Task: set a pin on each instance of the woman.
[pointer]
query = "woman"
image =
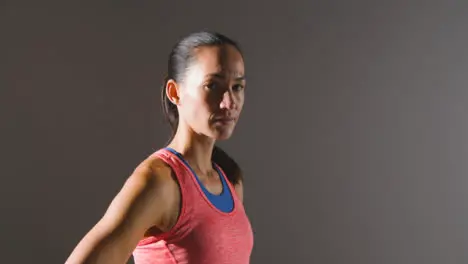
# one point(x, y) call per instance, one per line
point(183, 204)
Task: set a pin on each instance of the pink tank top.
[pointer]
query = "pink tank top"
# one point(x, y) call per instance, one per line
point(203, 234)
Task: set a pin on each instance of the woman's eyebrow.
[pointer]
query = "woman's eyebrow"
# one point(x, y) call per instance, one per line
point(222, 76)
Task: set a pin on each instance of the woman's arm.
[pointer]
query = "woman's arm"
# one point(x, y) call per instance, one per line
point(139, 205)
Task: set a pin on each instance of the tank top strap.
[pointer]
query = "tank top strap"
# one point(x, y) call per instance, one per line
point(176, 165)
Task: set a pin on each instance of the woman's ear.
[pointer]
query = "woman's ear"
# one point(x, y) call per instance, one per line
point(172, 91)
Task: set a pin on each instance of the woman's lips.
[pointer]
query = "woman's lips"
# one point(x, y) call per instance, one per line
point(225, 119)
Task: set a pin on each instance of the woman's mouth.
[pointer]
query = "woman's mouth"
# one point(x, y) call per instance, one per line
point(225, 120)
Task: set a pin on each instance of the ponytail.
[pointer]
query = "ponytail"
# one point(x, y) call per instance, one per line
point(229, 165)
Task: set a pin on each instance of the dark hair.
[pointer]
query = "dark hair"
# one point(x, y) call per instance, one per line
point(180, 59)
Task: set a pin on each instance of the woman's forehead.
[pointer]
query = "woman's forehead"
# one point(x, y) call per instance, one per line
point(220, 60)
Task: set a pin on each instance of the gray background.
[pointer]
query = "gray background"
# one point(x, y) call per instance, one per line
point(353, 139)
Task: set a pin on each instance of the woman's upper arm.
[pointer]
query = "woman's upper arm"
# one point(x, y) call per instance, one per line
point(138, 206)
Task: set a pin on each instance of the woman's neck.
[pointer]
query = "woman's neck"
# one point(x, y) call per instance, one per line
point(196, 149)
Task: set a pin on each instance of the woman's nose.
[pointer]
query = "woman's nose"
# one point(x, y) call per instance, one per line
point(227, 100)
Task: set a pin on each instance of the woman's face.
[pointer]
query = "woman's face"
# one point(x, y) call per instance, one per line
point(211, 96)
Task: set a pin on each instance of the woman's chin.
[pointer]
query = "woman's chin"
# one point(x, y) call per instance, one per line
point(222, 134)
point(221, 138)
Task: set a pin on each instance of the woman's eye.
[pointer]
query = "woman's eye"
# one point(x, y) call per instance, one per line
point(238, 87)
point(217, 86)
point(211, 86)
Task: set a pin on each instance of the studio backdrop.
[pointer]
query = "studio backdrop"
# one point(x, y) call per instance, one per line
point(353, 139)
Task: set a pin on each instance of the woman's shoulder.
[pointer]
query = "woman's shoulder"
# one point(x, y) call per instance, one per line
point(152, 186)
point(154, 169)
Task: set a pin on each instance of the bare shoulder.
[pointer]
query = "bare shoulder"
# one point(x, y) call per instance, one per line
point(145, 193)
point(153, 172)
point(153, 175)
